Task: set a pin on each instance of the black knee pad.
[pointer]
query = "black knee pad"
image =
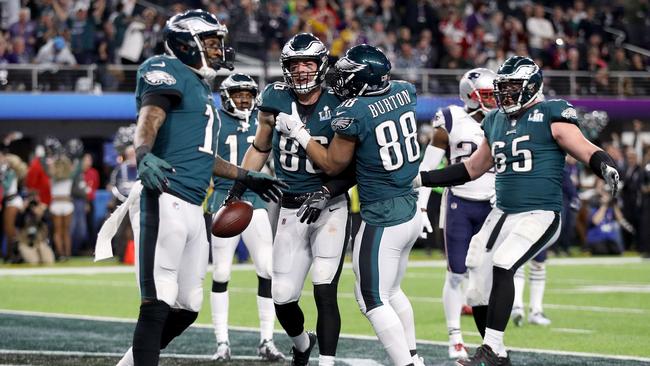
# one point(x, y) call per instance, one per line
point(219, 286)
point(291, 318)
point(177, 321)
point(328, 325)
point(148, 332)
point(263, 287)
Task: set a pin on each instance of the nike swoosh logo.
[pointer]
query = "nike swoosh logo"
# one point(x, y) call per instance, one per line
point(334, 209)
point(339, 113)
point(162, 64)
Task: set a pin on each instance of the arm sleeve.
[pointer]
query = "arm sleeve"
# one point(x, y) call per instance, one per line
point(452, 175)
point(562, 111)
point(342, 182)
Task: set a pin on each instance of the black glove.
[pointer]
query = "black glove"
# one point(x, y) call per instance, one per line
point(266, 186)
point(310, 209)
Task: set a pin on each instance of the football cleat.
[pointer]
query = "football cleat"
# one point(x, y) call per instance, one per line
point(302, 358)
point(517, 316)
point(268, 352)
point(484, 356)
point(538, 319)
point(418, 361)
point(223, 352)
point(457, 350)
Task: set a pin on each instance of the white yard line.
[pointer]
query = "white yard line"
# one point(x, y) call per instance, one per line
point(349, 336)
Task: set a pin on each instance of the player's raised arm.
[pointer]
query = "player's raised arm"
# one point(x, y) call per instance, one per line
point(455, 174)
point(569, 137)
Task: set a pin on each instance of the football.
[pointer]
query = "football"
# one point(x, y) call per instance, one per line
point(232, 219)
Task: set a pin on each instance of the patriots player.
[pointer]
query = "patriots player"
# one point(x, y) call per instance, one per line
point(458, 130)
point(375, 128)
point(298, 246)
point(238, 120)
point(175, 153)
point(537, 278)
point(526, 140)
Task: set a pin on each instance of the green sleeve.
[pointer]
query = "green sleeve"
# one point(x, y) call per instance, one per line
point(562, 111)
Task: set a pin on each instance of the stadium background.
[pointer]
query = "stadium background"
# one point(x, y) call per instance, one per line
point(596, 55)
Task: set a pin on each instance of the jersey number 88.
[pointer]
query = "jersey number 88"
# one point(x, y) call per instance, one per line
point(391, 143)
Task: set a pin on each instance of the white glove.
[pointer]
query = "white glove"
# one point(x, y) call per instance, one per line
point(426, 226)
point(292, 126)
point(611, 177)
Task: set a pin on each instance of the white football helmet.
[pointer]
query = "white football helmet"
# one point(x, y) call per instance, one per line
point(476, 90)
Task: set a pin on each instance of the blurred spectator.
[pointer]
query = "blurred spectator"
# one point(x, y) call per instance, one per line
point(25, 29)
point(18, 54)
point(632, 175)
point(247, 35)
point(420, 15)
point(540, 31)
point(91, 179)
point(570, 205)
point(55, 52)
point(478, 16)
point(152, 34)
point(33, 233)
point(644, 217)
point(604, 233)
point(82, 30)
point(61, 208)
point(388, 14)
point(37, 180)
point(46, 29)
point(409, 60)
point(122, 179)
point(559, 21)
point(275, 24)
point(12, 171)
point(589, 24)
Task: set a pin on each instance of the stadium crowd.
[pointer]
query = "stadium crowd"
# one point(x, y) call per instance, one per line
point(446, 34)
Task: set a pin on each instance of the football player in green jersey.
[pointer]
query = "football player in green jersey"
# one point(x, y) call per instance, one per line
point(376, 129)
point(238, 120)
point(174, 140)
point(526, 140)
point(320, 242)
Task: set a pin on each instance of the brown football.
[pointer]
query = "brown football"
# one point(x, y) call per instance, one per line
point(232, 219)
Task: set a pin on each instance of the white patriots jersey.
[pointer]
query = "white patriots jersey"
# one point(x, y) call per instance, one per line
point(465, 136)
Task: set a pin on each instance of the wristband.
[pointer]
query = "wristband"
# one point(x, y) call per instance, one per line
point(303, 137)
point(598, 159)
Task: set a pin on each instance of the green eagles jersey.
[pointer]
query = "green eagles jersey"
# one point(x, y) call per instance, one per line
point(187, 138)
point(291, 162)
point(527, 159)
point(387, 152)
point(235, 135)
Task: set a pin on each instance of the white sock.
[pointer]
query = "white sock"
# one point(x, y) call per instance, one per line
point(494, 339)
point(390, 332)
point(219, 305)
point(520, 282)
point(325, 360)
point(402, 306)
point(301, 341)
point(452, 302)
point(266, 313)
point(127, 359)
point(537, 276)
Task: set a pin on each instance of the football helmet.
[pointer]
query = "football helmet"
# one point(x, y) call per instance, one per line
point(476, 89)
point(185, 34)
point(74, 148)
point(234, 83)
point(304, 46)
point(364, 70)
point(52, 146)
point(519, 84)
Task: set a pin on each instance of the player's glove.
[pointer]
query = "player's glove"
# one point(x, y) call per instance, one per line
point(292, 126)
point(150, 170)
point(310, 209)
point(426, 226)
point(610, 175)
point(266, 186)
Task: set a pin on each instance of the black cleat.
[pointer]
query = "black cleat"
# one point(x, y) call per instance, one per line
point(484, 356)
point(302, 358)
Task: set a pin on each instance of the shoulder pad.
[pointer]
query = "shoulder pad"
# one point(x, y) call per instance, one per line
point(561, 111)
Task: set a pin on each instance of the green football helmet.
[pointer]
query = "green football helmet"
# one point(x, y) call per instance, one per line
point(184, 36)
point(304, 46)
point(519, 84)
point(364, 70)
point(234, 83)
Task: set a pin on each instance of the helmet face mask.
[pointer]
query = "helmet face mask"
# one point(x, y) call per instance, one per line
point(519, 84)
point(238, 95)
point(364, 70)
point(304, 62)
point(476, 90)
